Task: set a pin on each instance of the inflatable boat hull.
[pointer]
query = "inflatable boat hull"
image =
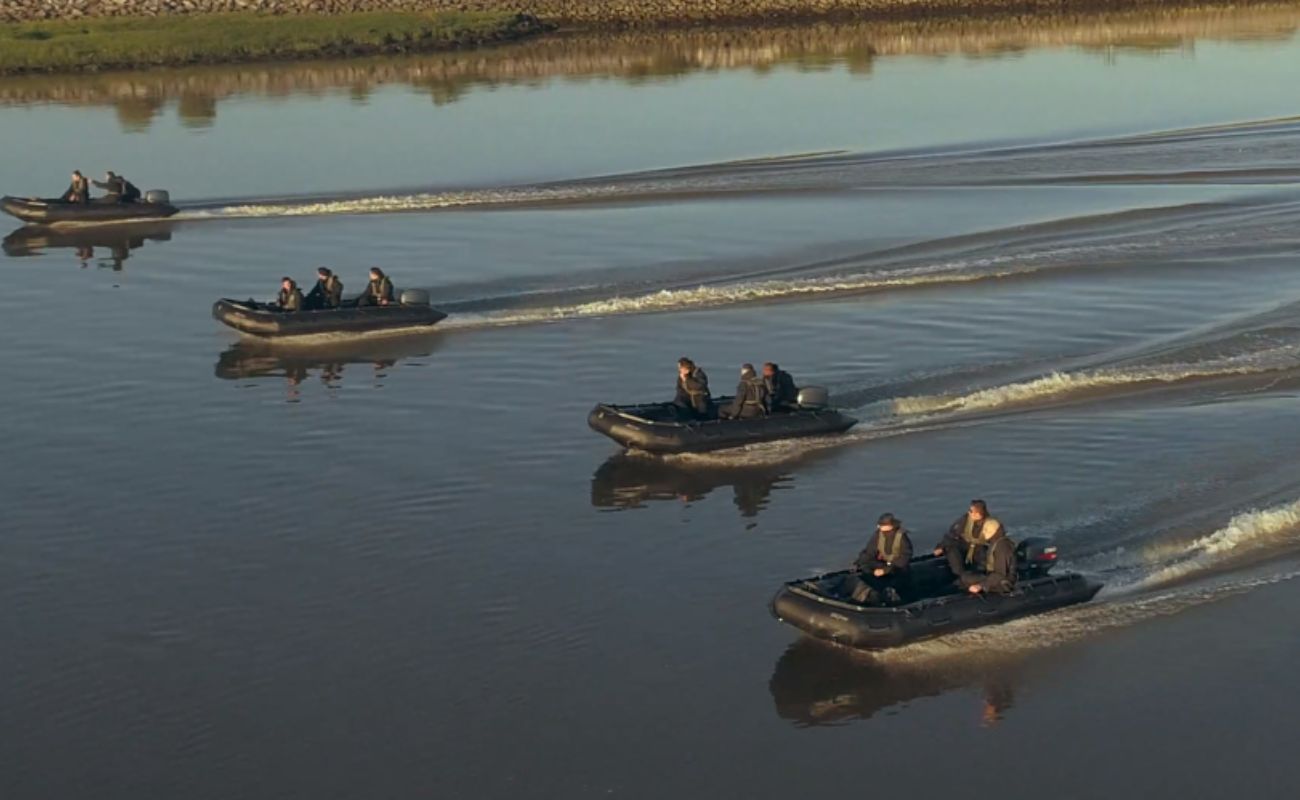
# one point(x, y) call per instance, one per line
point(53, 212)
point(806, 605)
point(257, 320)
point(650, 427)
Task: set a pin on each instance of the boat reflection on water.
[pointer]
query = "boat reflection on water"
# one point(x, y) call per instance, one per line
point(102, 245)
point(628, 481)
point(815, 683)
point(367, 359)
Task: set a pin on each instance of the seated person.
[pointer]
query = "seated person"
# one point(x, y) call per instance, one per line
point(328, 291)
point(119, 189)
point(79, 190)
point(994, 570)
point(782, 394)
point(964, 537)
point(751, 397)
point(881, 569)
point(289, 298)
point(692, 399)
point(379, 292)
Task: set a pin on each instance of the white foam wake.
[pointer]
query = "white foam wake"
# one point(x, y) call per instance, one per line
point(1062, 384)
point(1244, 534)
point(430, 201)
point(731, 294)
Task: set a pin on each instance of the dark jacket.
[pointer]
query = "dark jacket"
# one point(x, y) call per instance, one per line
point(327, 293)
point(893, 554)
point(995, 569)
point(115, 186)
point(693, 393)
point(130, 193)
point(377, 290)
point(289, 299)
point(750, 401)
point(782, 393)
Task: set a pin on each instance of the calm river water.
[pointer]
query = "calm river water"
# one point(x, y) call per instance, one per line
point(1053, 266)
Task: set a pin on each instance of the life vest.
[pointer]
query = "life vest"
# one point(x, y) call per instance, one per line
point(891, 553)
point(989, 561)
point(756, 394)
point(290, 299)
point(381, 288)
point(974, 539)
point(333, 289)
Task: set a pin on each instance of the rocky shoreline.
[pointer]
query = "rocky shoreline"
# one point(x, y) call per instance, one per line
point(592, 14)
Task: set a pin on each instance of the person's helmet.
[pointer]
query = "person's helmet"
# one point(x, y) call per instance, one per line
point(887, 519)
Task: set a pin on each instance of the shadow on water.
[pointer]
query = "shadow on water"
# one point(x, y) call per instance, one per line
point(368, 361)
point(102, 245)
point(815, 683)
point(628, 481)
point(139, 98)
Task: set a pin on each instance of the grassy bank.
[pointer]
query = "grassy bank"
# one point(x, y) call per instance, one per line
point(123, 43)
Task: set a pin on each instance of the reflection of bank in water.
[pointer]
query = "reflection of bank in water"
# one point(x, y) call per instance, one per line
point(106, 245)
point(631, 481)
point(820, 684)
point(195, 93)
point(364, 359)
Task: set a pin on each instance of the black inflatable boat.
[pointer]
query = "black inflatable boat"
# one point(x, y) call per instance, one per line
point(54, 211)
point(258, 319)
point(933, 605)
point(657, 428)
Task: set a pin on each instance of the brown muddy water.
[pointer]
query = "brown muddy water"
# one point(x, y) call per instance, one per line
point(1052, 266)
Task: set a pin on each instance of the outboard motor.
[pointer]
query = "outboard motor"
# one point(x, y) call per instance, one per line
point(1035, 556)
point(414, 297)
point(157, 196)
point(814, 397)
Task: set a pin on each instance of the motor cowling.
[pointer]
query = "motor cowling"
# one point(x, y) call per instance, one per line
point(414, 297)
point(159, 196)
point(814, 397)
point(1036, 555)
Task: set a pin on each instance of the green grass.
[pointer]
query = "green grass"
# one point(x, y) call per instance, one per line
point(109, 43)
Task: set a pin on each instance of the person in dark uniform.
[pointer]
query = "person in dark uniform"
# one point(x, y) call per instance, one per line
point(692, 400)
point(994, 570)
point(290, 296)
point(379, 292)
point(328, 291)
point(118, 189)
point(881, 569)
point(78, 190)
point(751, 397)
point(782, 394)
point(964, 540)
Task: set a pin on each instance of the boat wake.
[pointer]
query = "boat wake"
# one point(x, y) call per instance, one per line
point(1257, 152)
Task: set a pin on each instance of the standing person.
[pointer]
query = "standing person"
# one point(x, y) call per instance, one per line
point(328, 291)
point(692, 400)
point(964, 542)
point(783, 395)
point(882, 566)
point(750, 401)
point(290, 296)
point(994, 570)
point(379, 292)
point(79, 190)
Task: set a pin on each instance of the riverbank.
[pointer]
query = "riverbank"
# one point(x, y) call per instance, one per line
point(107, 43)
point(99, 35)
